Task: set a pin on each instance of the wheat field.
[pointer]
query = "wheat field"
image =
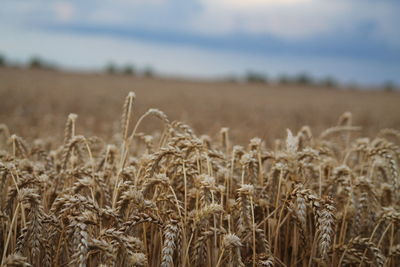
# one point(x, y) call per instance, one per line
point(35, 104)
point(131, 185)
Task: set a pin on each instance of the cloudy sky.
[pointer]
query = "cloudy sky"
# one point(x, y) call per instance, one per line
point(351, 40)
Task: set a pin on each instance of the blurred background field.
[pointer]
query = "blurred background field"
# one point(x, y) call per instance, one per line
point(36, 102)
point(254, 66)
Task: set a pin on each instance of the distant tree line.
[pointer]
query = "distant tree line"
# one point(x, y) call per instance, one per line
point(300, 79)
point(303, 79)
point(2, 61)
point(128, 69)
point(36, 62)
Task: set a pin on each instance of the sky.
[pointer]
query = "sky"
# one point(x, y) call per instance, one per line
point(353, 41)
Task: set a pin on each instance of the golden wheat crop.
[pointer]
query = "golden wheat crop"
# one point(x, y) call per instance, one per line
point(35, 104)
point(174, 198)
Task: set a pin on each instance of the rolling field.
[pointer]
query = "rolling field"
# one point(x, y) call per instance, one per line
point(42, 100)
point(110, 170)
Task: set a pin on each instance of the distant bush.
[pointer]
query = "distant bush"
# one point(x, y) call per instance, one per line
point(329, 82)
point(36, 63)
point(304, 79)
point(230, 79)
point(253, 77)
point(389, 86)
point(111, 68)
point(2, 60)
point(148, 72)
point(284, 79)
point(128, 70)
